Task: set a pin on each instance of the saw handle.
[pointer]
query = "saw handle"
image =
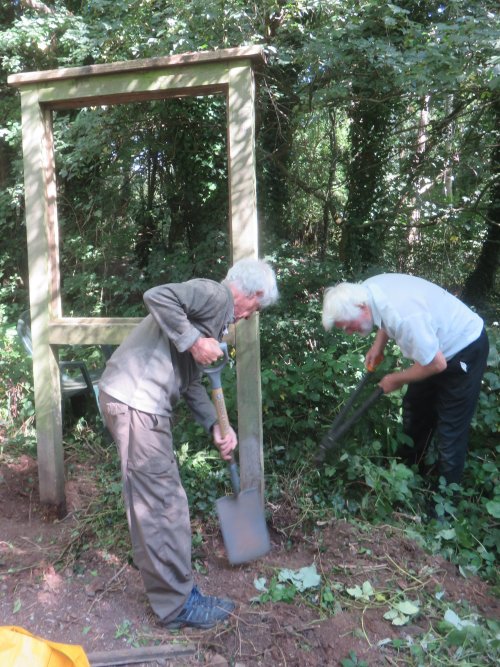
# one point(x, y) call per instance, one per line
point(378, 360)
point(336, 431)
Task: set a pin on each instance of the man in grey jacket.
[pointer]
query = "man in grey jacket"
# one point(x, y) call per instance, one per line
point(159, 362)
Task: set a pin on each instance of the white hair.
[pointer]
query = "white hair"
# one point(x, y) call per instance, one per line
point(254, 275)
point(343, 302)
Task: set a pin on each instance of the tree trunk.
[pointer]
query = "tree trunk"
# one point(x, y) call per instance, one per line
point(361, 241)
point(414, 233)
point(146, 221)
point(481, 282)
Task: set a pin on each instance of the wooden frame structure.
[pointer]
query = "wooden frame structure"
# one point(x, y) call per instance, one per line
point(229, 72)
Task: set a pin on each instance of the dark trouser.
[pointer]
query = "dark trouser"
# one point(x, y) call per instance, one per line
point(444, 404)
point(156, 504)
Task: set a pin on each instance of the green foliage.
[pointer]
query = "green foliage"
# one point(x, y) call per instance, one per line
point(203, 477)
point(287, 584)
point(16, 389)
point(460, 639)
point(353, 661)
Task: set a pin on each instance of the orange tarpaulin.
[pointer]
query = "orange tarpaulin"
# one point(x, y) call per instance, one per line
point(19, 648)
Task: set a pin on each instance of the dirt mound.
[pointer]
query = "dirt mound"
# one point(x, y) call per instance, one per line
point(98, 600)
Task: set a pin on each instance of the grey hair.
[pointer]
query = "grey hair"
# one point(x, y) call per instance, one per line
point(342, 303)
point(254, 275)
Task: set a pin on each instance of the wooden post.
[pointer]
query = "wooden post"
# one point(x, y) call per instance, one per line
point(43, 254)
point(245, 243)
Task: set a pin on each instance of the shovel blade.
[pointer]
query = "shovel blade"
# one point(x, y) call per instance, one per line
point(243, 526)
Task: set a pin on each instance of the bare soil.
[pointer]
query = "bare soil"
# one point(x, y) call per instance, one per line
point(98, 600)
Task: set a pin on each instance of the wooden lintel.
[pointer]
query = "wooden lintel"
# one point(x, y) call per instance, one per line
point(141, 96)
point(253, 53)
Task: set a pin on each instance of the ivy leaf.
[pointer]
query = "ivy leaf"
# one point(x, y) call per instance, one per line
point(260, 584)
point(368, 589)
point(493, 508)
point(401, 619)
point(396, 617)
point(407, 608)
point(361, 593)
point(447, 534)
point(454, 619)
point(401, 612)
point(306, 577)
point(355, 592)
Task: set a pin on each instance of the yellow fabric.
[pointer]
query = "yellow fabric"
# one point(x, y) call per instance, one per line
point(19, 648)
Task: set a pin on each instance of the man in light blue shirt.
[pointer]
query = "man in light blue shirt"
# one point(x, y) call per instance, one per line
point(447, 344)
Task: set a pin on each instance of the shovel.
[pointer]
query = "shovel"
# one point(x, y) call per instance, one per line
point(339, 427)
point(241, 515)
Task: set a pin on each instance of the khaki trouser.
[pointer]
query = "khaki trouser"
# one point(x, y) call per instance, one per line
point(156, 504)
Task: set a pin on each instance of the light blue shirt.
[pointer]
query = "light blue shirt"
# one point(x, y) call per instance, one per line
point(421, 317)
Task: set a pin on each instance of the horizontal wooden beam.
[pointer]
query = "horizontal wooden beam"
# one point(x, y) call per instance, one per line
point(119, 87)
point(254, 53)
point(134, 97)
point(101, 330)
point(91, 330)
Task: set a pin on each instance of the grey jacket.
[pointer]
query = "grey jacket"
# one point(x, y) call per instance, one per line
point(152, 368)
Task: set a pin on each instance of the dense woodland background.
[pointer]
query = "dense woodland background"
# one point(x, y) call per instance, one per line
point(377, 142)
point(377, 150)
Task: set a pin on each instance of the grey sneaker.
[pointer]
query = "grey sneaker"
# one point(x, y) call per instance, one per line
point(201, 611)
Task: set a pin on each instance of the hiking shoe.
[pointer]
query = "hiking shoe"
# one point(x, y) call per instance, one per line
point(212, 600)
point(201, 611)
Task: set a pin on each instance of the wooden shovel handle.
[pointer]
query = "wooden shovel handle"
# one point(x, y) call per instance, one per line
point(223, 420)
point(220, 408)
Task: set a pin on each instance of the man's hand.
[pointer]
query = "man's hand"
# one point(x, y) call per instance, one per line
point(392, 382)
point(205, 351)
point(414, 373)
point(225, 444)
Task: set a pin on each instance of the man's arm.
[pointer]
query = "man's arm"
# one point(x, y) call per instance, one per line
point(178, 307)
point(414, 373)
point(200, 405)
